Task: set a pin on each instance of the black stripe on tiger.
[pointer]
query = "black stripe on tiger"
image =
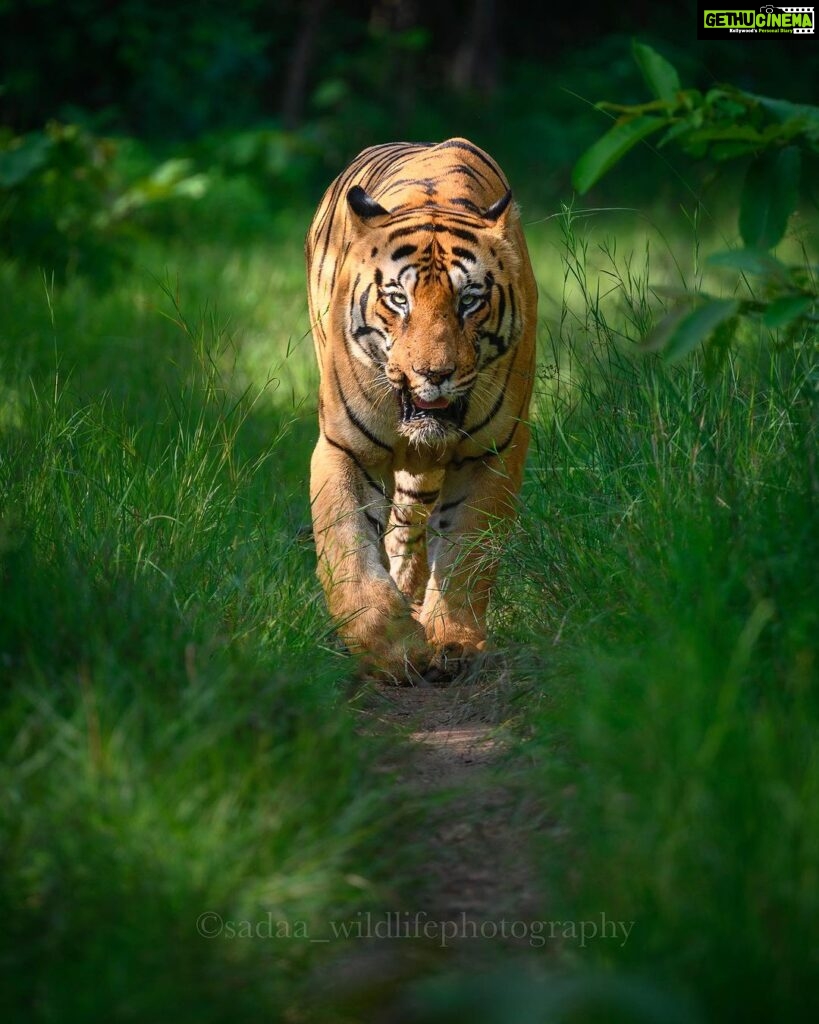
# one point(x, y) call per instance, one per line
point(363, 300)
point(513, 310)
point(479, 154)
point(371, 349)
point(501, 305)
point(464, 254)
point(498, 342)
point(356, 283)
point(363, 388)
point(444, 213)
point(448, 505)
point(354, 458)
point(353, 418)
point(437, 229)
point(491, 453)
point(424, 497)
point(493, 412)
point(410, 541)
point(376, 524)
point(466, 203)
point(404, 250)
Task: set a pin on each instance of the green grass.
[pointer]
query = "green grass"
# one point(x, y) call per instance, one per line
point(669, 568)
point(175, 731)
point(171, 730)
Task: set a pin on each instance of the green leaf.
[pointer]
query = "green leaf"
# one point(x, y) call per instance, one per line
point(782, 311)
point(721, 151)
point(171, 171)
point(750, 261)
point(604, 153)
point(769, 196)
point(802, 116)
point(716, 351)
point(784, 110)
point(691, 99)
point(657, 338)
point(661, 77)
point(681, 128)
point(634, 109)
point(729, 133)
point(692, 329)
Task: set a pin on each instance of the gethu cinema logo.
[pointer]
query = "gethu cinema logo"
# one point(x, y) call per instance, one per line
point(767, 17)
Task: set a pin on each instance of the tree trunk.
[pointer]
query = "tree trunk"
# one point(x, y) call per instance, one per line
point(475, 66)
point(295, 89)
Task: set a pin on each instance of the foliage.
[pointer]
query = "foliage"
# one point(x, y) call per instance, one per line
point(63, 204)
point(724, 124)
point(783, 301)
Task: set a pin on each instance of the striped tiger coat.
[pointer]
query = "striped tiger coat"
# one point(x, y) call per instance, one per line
point(423, 309)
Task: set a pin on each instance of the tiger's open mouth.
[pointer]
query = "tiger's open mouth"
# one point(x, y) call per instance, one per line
point(416, 412)
point(430, 423)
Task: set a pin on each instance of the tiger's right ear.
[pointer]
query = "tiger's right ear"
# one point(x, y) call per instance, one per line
point(500, 210)
point(365, 209)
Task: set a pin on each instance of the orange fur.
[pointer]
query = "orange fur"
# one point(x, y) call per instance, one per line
point(423, 308)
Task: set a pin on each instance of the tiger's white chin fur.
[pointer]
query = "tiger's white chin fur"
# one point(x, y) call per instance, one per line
point(429, 431)
point(427, 425)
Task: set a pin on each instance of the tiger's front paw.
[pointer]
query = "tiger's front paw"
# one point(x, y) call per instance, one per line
point(452, 661)
point(403, 661)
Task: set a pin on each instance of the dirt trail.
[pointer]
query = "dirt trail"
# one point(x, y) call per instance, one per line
point(479, 868)
point(477, 891)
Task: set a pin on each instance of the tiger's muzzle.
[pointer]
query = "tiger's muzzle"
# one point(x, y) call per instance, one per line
point(430, 421)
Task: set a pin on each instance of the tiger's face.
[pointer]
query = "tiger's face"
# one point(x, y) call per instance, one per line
point(430, 309)
point(432, 347)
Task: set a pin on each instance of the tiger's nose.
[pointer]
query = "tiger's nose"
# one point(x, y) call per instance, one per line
point(434, 374)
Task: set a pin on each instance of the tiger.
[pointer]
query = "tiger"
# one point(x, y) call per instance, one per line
point(423, 311)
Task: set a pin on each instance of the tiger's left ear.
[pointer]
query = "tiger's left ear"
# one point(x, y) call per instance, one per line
point(500, 211)
point(367, 211)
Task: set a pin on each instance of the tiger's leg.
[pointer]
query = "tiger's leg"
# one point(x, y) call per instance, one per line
point(406, 537)
point(466, 535)
point(350, 507)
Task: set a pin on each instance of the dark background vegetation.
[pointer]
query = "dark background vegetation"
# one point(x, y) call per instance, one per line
point(175, 70)
point(342, 75)
point(97, 98)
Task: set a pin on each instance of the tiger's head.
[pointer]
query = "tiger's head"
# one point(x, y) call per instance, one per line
point(431, 302)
